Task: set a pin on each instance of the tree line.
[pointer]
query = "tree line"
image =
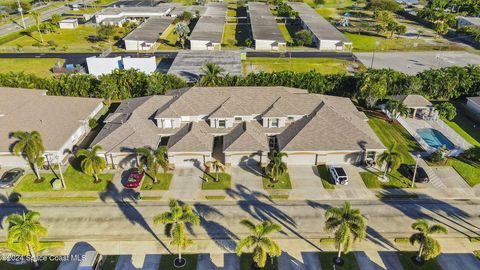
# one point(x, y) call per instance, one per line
point(368, 86)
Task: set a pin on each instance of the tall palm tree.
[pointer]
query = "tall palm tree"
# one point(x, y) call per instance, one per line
point(92, 163)
point(182, 30)
point(30, 145)
point(397, 108)
point(391, 157)
point(276, 167)
point(153, 159)
point(175, 222)
point(212, 75)
point(24, 232)
point(217, 166)
point(347, 223)
point(429, 247)
point(37, 17)
point(258, 240)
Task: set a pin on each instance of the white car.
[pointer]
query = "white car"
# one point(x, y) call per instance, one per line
point(338, 175)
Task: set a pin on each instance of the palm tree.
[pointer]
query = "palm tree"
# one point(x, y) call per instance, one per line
point(258, 240)
point(29, 145)
point(182, 30)
point(391, 157)
point(397, 108)
point(217, 166)
point(429, 247)
point(212, 75)
point(37, 17)
point(276, 167)
point(153, 159)
point(92, 163)
point(24, 232)
point(175, 222)
point(347, 223)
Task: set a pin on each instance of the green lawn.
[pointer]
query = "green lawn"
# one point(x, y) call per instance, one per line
point(166, 262)
point(47, 265)
point(74, 179)
point(394, 180)
point(224, 181)
point(464, 126)
point(88, 10)
point(110, 262)
point(322, 65)
point(38, 66)
point(326, 261)
point(169, 40)
point(66, 39)
point(164, 181)
point(286, 35)
point(234, 35)
point(406, 261)
point(283, 182)
point(470, 171)
point(325, 176)
point(43, 246)
point(246, 263)
point(365, 43)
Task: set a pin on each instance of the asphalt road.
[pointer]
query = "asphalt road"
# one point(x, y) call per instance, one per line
point(220, 220)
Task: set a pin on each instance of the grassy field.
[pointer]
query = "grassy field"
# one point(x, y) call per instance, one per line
point(470, 171)
point(169, 40)
point(66, 39)
point(322, 65)
point(234, 35)
point(166, 261)
point(286, 34)
point(164, 181)
point(224, 181)
point(406, 261)
point(283, 182)
point(246, 263)
point(38, 66)
point(394, 180)
point(326, 261)
point(74, 179)
point(325, 176)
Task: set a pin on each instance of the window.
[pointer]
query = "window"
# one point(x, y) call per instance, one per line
point(238, 118)
point(291, 118)
point(167, 123)
point(221, 123)
point(274, 122)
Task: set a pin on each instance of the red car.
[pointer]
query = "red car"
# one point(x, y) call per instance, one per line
point(134, 179)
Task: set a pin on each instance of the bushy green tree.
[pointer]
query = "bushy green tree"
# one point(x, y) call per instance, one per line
point(91, 163)
point(303, 38)
point(446, 110)
point(429, 247)
point(182, 30)
point(105, 31)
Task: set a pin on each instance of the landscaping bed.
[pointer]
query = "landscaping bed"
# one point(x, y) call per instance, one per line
point(166, 262)
point(405, 258)
point(283, 182)
point(325, 177)
point(224, 181)
point(350, 262)
point(395, 180)
point(164, 181)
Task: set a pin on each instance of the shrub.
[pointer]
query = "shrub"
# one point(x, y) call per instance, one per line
point(92, 123)
point(439, 155)
point(472, 154)
point(446, 110)
point(303, 38)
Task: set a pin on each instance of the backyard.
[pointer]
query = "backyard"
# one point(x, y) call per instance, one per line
point(322, 65)
point(38, 66)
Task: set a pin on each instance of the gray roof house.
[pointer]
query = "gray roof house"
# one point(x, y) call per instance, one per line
point(208, 32)
point(265, 31)
point(240, 125)
point(61, 121)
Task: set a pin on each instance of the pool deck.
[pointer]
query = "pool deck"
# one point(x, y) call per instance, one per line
point(412, 125)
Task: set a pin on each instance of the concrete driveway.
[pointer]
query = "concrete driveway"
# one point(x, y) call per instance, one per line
point(247, 176)
point(306, 183)
point(355, 189)
point(454, 184)
point(186, 183)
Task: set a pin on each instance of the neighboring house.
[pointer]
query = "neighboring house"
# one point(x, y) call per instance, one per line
point(62, 121)
point(105, 65)
point(264, 28)
point(208, 31)
point(238, 126)
point(68, 24)
point(419, 106)
point(473, 104)
point(146, 35)
point(468, 21)
point(134, 12)
point(325, 35)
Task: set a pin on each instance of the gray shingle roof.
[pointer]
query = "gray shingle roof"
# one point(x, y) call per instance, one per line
point(413, 100)
point(263, 24)
point(210, 26)
point(246, 136)
point(150, 30)
point(193, 137)
point(55, 117)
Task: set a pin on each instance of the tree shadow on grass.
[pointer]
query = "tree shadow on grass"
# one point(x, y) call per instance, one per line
point(128, 209)
point(10, 205)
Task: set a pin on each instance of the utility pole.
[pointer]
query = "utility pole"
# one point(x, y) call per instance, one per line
point(415, 171)
point(21, 13)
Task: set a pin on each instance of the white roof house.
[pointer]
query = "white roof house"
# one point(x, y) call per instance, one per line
point(68, 24)
point(61, 121)
point(265, 31)
point(244, 122)
point(208, 32)
point(145, 36)
point(104, 65)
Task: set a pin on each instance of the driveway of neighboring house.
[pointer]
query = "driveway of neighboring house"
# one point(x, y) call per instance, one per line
point(454, 183)
point(306, 183)
point(186, 183)
point(355, 189)
point(246, 179)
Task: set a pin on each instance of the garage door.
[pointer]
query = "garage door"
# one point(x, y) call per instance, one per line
point(250, 160)
point(187, 161)
point(350, 158)
point(305, 159)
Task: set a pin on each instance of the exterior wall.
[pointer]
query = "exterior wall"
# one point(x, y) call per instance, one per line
point(198, 44)
point(175, 122)
point(245, 158)
point(189, 159)
point(228, 122)
point(266, 45)
point(68, 25)
point(134, 45)
point(329, 158)
point(267, 121)
point(474, 108)
point(330, 45)
point(98, 66)
point(147, 65)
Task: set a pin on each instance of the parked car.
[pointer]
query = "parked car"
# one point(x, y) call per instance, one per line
point(338, 175)
point(420, 176)
point(134, 179)
point(10, 177)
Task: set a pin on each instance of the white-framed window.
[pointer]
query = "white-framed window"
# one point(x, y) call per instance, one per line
point(274, 122)
point(167, 123)
point(222, 123)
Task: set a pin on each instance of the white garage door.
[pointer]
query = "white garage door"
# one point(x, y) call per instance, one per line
point(250, 160)
point(350, 158)
point(305, 159)
point(187, 161)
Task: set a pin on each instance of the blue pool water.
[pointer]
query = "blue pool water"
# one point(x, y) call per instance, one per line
point(435, 138)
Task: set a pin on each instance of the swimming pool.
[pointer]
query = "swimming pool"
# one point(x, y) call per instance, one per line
point(435, 138)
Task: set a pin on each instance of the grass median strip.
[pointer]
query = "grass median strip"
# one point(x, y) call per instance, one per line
point(283, 182)
point(164, 182)
point(210, 183)
point(326, 261)
point(325, 177)
point(405, 258)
